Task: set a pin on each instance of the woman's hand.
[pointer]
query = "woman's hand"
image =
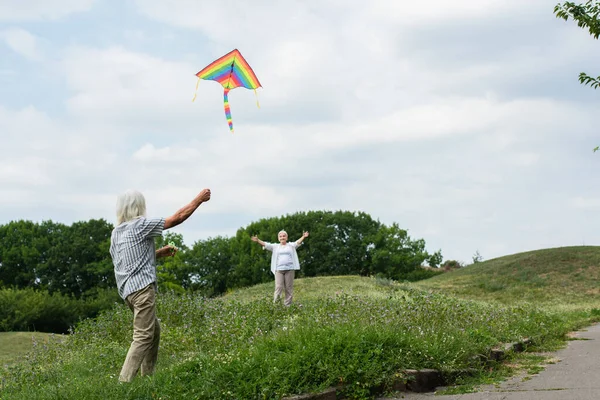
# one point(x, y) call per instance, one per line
point(254, 238)
point(305, 235)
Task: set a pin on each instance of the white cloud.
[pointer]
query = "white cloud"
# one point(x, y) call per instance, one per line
point(48, 165)
point(22, 42)
point(409, 12)
point(586, 203)
point(135, 89)
point(31, 171)
point(355, 114)
point(230, 18)
point(272, 167)
point(525, 159)
point(149, 153)
point(31, 10)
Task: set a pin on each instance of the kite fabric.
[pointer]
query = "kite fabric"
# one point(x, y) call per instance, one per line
point(231, 71)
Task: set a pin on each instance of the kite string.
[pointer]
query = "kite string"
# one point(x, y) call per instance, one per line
point(196, 92)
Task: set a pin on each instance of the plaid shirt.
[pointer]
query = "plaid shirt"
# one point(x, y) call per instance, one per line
point(133, 253)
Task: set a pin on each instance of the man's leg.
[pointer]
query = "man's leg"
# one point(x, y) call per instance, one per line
point(149, 362)
point(278, 285)
point(289, 286)
point(142, 303)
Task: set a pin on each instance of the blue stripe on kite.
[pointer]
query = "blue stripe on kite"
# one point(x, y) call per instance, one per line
point(240, 76)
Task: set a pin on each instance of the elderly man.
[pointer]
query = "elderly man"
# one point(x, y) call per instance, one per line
point(134, 257)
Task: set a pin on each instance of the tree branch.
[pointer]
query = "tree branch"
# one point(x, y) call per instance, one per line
point(584, 79)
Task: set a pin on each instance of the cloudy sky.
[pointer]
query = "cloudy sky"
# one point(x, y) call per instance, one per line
point(461, 121)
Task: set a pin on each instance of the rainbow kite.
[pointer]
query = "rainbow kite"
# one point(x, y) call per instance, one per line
point(230, 71)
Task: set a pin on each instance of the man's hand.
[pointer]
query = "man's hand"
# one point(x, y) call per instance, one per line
point(184, 212)
point(166, 251)
point(204, 195)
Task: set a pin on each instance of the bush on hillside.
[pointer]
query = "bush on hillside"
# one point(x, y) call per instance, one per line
point(451, 265)
point(33, 310)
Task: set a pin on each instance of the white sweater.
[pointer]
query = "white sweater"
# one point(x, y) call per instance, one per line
point(274, 247)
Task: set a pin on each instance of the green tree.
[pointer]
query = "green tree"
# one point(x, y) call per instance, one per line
point(587, 16)
point(172, 273)
point(345, 239)
point(56, 257)
point(435, 259)
point(395, 254)
point(211, 265)
point(90, 263)
point(78, 260)
point(22, 252)
point(340, 243)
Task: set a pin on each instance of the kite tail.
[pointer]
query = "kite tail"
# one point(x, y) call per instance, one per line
point(257, 103)
point(196, 92)
point(227, 109)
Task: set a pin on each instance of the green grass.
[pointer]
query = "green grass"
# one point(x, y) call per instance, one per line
point(561, 280)
point(317, 288)
point(15, 345)
point(564, 277)
point(351, 330)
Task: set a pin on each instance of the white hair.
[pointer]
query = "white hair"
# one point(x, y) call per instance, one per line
point(130, 205)
point(282, 231)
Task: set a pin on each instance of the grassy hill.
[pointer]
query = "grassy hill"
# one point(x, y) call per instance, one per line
point(563, 277)
point(321, 287)
point(15, 345)
point(352, 330)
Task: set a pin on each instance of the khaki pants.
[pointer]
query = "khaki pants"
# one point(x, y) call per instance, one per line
point(284, 280)
point(143, 351)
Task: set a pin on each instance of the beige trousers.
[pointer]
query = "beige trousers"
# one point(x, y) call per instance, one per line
point(143, 351)
point(284, 280)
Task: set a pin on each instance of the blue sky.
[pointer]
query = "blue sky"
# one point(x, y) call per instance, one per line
point(461, 121)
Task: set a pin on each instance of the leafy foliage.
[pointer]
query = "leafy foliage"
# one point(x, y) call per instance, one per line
point(71, 260)
point(74, 261)
point(34, 310)
point(587, 16)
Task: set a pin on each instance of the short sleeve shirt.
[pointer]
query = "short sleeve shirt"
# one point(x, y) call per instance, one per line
point(133, 253)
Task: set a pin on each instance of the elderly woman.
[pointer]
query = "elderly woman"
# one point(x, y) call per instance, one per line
point(134, 258)
point(284, 263)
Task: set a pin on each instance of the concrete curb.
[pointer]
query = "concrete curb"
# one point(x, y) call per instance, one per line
point(327, 394)
point(423, 380)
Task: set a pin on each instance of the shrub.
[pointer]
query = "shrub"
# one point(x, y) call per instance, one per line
point(450, 265)
point(34, 310)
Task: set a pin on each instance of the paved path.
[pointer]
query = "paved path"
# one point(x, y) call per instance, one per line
point(575, 377)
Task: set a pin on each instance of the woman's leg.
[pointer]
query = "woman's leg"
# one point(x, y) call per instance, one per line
point(289, 286)
point(279, 284)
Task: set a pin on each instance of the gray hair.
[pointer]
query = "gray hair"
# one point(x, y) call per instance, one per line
point(282, 231)
point(130, 205)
